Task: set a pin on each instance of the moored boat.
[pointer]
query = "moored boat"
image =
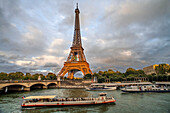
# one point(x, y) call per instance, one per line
point(101, 87)
point(53, 101)
point(145, 88)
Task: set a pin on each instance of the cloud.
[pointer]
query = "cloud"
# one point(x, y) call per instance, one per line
point(36, 35)
point(126, 53)
point(84, 38)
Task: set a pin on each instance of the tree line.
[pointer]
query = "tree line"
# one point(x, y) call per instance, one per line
point(27, 76)
point(162, 72)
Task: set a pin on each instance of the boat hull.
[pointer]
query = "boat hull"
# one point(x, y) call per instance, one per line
point(60, 104)
point(161, 91)
point(101, 89)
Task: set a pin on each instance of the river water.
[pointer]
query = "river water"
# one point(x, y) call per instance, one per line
point(125, 102)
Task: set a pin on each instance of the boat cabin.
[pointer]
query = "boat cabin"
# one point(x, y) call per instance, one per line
point(102, 85)
point(102, 96)
point(39, 98)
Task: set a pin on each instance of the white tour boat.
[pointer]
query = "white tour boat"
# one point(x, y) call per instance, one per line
point(101, 87)
point(53, 101)
point(145, 88)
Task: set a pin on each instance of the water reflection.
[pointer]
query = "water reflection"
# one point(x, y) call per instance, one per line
point(72, 109)
point(76, 93)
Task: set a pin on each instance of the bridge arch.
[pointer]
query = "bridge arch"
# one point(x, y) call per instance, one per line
point(13, 87)
point(37, 86)
point(40, 83)
point(7, 85)
point(51, 85)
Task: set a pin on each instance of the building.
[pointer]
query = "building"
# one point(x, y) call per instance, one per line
point(150, 69)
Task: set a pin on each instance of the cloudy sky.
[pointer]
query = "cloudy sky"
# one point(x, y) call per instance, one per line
point(36, 35)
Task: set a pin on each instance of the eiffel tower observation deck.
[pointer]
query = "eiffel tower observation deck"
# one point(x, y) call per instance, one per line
point(76, 60)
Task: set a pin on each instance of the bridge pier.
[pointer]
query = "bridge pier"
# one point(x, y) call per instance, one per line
point(1, 90)
point(45, 87)
point(58, 83)
point(27, 89)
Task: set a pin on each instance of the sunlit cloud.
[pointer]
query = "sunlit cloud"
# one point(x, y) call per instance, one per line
point(126, 53)
point(84, 38)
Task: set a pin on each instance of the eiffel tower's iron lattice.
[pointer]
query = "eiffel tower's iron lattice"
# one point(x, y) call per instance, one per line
point(76, 60)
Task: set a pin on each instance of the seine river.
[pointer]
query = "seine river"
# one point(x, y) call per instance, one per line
point(126, 102)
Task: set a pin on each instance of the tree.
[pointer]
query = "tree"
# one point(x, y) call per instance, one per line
point(12, 76)
point(65, 78)
point(162, 68)
point(28, 76)
point(102, 79)
point(35, 76)
point(100, 72)
point(110, 71)
point(96, 75)
point(3, 76)
point(140, 72)
point(87, 76)
point(150, 78)
point(130, 71)
point(51, 76)
point(19, 76)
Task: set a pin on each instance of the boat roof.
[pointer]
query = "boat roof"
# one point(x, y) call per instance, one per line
point(140, 83)
point(40, 97)
point(102, 94)
point(103, 84)
point(162, 83)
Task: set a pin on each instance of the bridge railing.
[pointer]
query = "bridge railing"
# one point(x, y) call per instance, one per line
point(25, 81)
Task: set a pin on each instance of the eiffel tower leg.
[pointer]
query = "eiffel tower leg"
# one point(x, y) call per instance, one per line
point(62, 72)
point(70, 75)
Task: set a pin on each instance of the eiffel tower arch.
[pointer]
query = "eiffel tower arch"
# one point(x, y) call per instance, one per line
point(76, 60)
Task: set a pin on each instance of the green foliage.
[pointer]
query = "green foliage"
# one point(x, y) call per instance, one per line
point(140, 72)
point(51, 76)
point(96, 75)
point(162, 69)
point(28, 76)
point(35, 76)
point(129, 75)
point(16, 76)
point(100, 80)
point(110, 71)
point(3, 76)
point(65, 78)
point(130, 71)
point(87, 76)
point(100, 72)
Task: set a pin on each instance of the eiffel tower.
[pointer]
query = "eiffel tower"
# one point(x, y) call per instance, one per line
point(76, 60)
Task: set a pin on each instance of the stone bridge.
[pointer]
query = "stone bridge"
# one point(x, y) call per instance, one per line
point(26, 85)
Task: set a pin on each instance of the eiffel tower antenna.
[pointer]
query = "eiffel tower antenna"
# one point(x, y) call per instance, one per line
point(76, 60)
point(77, 35)
point(77, 5)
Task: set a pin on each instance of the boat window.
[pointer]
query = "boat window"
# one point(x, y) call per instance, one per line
point(110, 86)
point(102, 94)
point(45, 100)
